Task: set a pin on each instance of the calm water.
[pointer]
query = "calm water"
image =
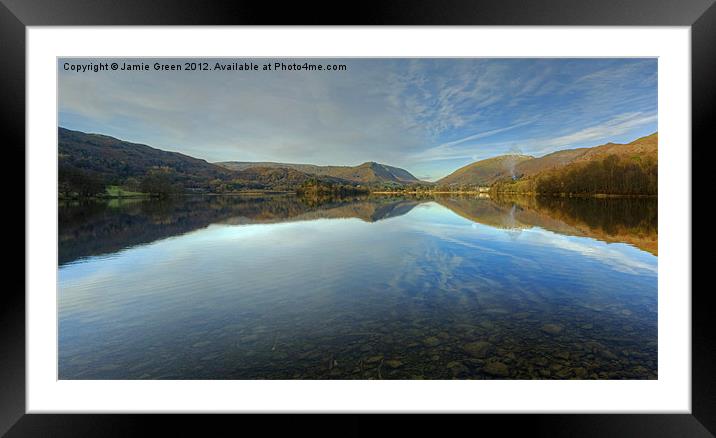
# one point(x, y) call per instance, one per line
point(377, 288)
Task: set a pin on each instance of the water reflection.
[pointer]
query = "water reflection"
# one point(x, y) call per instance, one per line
point(379, 287)
point(95, 227)
point(99, 227)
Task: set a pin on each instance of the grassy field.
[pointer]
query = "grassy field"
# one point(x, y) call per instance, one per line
point(118, 192)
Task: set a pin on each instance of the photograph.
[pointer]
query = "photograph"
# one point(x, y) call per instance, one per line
point(357, 218)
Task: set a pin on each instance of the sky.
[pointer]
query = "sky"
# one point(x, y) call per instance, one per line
point(429, 116)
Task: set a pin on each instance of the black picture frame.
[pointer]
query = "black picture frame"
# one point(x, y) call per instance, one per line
point(16, 15)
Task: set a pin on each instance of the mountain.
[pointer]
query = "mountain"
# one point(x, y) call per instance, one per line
point(609, 168)
point(90, 162)
point(269, 177)
point(484, 172)
point(110, 161)
point(644, 146)
point(366, 173)
point(549, 161)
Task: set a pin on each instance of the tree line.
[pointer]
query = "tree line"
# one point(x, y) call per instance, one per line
point(613, 175)
point(316, 187)
point(158, 182)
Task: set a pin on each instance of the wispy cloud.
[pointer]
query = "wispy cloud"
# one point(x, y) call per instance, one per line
point(611, 128)
point(429, 116)
point(449, 150)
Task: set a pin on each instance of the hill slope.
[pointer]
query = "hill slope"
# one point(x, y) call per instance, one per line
point(504, 168)
point(618, 169)
point(366, 173)
point(644, 146)
point(90, 162)
point(549, 161)
point(112, 161)
point(484, 172)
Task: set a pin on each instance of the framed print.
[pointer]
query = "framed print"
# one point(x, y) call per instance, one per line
point(358, 219)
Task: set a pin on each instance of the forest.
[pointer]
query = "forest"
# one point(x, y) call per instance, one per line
point(613, 175)
point(317, 187)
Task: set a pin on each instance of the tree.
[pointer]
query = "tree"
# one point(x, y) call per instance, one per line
point(611, 175)
point(132, 184)
point(73, 182)
point(159, 182)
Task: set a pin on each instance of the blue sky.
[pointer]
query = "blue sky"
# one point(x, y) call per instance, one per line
point(429, 116)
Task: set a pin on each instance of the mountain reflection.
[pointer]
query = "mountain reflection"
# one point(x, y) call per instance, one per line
point(626, 220)
point(96, 228)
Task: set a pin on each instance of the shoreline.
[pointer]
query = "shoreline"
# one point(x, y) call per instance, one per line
point(429, 193)
point(381, 192)
point(492, 193)
point(576, 195)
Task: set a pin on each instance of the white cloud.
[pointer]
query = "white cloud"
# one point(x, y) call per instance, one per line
point(611, 128)
point(421, 114)
point(449, 151)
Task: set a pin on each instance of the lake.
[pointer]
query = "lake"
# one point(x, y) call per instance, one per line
point(380, 287)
